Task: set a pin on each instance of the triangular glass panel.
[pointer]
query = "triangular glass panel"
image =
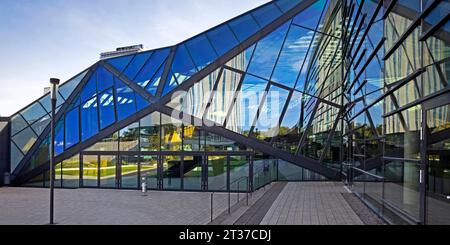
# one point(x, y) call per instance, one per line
point(266, 14)
point(153, 65)
point(286, 5)
point(310, 17)
point(120, 63)
point(105, 79)
point(16, 157)
point(244, 27)
point(136, 64)
point(141, 103)
point(222, 39)
point(125, 101)
point(152, 86)
point(241, 61)
point(201, 51)
point(67, 88)
point(182, 68)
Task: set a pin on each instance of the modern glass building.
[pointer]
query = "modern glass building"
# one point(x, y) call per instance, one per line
point(295, 90)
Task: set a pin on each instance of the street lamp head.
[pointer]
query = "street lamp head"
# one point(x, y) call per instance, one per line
point(54, 82)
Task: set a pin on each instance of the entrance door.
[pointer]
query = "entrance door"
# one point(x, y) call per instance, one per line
point(437, 143)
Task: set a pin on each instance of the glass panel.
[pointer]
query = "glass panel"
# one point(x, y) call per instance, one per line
point(126, 100)
point(120, 63)
point(90, 89)
point(268, 123)
point(172, 83)
point(217, 173)
point(402, 186)
point(33, 113)
point(41, 156)
point(241, 61)
point(41, 124)
point(239, 173)
point(71, 172)
point(286, 5)
point(108, 165)
point(293, 56)
point(105, 79)
point(136, 64)
point(292, 126)
point(150, 132)
point(17, 124)
point(153, 85)
point(107, 114)
point(67, 88)
point(218, 143)
point(89, 119)
point(171, 134)
point(129, 138)
point(59, 137)
point(35, 182)
point(141, 103)
point(183, 67)
point(25, 140)
point(438, 198)
point(16, 156)
point(129, 171)
point(110, 143)
point(222, 39)
point(194, 138)
point(247, 104)
point(266, 14)
point(192, 178)
point(267, 51)
point(171, 172)
point(90, 171)
point(149, 170)
point(151, 67)
point(72, 128)
point(195, 100)
point(438, 119)
point(201, 51)
point(226, 88)
point(310, 17)
point(244, 27)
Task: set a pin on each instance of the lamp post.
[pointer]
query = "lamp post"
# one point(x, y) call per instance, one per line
point(54, 82)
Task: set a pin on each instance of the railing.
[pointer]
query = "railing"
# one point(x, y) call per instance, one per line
point(237, 181)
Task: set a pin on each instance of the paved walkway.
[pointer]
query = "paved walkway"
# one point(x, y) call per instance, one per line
point(311, 203)
point(29, 206)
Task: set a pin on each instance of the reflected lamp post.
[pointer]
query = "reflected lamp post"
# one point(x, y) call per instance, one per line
point(54, 82)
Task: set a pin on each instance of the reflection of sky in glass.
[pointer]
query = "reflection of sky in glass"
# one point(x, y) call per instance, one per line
point(310, 17)
point(271, 111)
point(266, 52)
point(292, 56)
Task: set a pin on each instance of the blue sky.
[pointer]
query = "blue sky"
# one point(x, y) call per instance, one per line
point(59, 38)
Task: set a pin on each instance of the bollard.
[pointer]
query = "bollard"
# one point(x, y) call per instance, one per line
point(144, 186)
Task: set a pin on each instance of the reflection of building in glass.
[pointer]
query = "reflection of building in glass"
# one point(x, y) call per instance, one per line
point(363, 97)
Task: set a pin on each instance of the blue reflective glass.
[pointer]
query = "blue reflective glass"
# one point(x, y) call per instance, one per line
point(152, 87)
point(120, 63)
point(141, 103)
point(151, 67)
point(170, 85)
point(292, 56)
point(242, 60)
point(106, 102)
point(266, 14)
point(247, 104)
point(183, 67)
point(125, 101)
point(47, 103)
point(90, 89)
point(267, 51)
point(201, 51)
point(105, 79)
point(67, 88)
point(72, 128)
point(286, 5)
point(310, 17)
point(59, 137)
point(33, 113)
point(244, 27)
point(89, 119)
point(136, 64)
point(222, 39)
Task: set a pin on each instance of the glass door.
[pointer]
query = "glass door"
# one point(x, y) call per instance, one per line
point(438, 158)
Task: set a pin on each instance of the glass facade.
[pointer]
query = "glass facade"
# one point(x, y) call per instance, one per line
point(282, 92)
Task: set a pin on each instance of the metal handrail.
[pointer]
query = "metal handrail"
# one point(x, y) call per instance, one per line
point(229, 194)
point(370, 174)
